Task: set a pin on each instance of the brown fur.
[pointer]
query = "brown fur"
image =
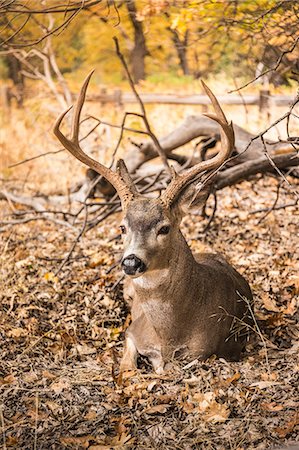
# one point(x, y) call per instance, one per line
point(183, 306)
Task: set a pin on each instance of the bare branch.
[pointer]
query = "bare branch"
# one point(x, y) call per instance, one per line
point(144, 116)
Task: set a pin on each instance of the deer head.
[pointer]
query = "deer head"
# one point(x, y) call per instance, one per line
point(150, 227)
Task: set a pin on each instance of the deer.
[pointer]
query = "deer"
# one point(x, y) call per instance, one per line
point(184, 305)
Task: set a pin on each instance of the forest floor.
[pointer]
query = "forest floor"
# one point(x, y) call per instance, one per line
point(62, 339)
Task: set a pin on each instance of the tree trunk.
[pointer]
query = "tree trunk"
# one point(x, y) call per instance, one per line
point(181, 49)
point(140, 50)
point(15, 74)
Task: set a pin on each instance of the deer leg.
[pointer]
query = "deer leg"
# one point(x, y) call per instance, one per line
point(157, 362)
point(129, 359)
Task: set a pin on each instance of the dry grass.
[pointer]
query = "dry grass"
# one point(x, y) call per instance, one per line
point(62, 338)
point(28, 133)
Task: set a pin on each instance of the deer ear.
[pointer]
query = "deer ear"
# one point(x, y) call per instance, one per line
point(193, 197)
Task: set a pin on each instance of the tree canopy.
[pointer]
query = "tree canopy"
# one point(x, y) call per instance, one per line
point(245, 39)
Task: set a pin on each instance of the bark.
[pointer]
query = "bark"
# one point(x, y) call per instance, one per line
point(139, 51)
point(15, 74)
point(251, 160)
point(181, 49)
point(244, 171)
point(196, 126)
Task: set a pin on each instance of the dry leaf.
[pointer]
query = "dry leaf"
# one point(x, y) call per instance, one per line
point(9, 379)
point(97, 260)
point(117, 442)
point(17, 332)
point(60, 385)
point(266, 376)
point(53, 406)
point(48, 375)
point(271, 406)
point(264, 384)
point(157, 409)
point(289, 427)
point(78, 441)
point(268, 303)
point(216, 413)
point(12, 441)
point(91, 415)
point(292, 307)
point(50, 277)
point(30, 377)
point(209, 408)
point(85, 349)
point(233, 379)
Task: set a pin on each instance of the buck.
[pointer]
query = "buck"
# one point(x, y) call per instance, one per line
point(184, 305)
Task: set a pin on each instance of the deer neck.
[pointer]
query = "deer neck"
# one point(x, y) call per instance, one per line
point(162, 292)
point(157, 283)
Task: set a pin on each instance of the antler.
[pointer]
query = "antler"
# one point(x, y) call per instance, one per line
point(179, 182)
point(120, 179)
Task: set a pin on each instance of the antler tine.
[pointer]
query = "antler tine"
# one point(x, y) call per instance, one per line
point(78, 108)
point(120, 179)
point(218, 110)
point(179, 182)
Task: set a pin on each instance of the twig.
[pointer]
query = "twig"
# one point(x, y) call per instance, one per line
point(117, 282)
point(36, 420)
point(212, 216)
point(144, 116)
point(276, 208)
point(3, 427)
point(272, 69)
point(272, 207)
point(24, 161)
point(113, 125)
point(100, 219)
point(65, 260)
point(31, 219)
point(245, 299)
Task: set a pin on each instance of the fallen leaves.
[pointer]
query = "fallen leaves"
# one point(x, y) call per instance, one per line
point(62, 339)
point(77, 441)
point(17, 332)
point(289, 426)
point(50, 277)
point(60, 385)
point(160, 409)
point(272, 407)
point(236, 376)
point(207, 406)
point(9, 379)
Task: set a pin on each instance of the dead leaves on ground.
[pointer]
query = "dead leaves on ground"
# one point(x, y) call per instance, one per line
point(62, 338)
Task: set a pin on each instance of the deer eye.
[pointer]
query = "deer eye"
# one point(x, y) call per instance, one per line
point(164, 230)
point(123, 229)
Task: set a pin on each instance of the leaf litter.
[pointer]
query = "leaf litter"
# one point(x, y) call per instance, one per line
point(62, 339)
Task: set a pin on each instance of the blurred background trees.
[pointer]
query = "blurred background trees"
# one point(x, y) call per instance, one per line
point(243, 40)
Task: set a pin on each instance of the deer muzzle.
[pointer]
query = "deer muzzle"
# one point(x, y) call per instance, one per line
point(132, 265)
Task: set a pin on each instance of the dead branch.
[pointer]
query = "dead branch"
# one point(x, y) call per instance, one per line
point(46, 56)
point(80, 234)
point(70, 11)
point(271, 69)
point(238, 173)
point(197, 126)
point(158, 147)
point(36, 203)
point(68, 7)
point(10, 223)
point(273, 206)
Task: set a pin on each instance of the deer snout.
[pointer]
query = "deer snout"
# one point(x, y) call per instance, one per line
point(132, 265)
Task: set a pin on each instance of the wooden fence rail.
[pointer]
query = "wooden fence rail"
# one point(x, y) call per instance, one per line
point(264, 100)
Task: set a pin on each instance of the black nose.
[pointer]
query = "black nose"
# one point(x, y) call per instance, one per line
point(132, 265)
